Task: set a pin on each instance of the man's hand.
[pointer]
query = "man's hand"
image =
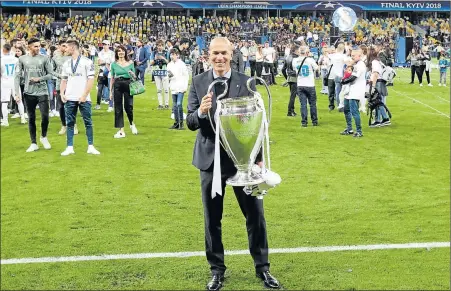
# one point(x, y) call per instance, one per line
point(138, 63)
point(35, 80)
point(111, 96)
point(82, 99)
point(63, 98)
point(206, 103)
point(18, 99)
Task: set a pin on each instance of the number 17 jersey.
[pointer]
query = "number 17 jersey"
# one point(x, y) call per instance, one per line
point(9, 65)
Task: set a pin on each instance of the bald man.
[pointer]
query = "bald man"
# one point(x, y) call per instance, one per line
point(200, 102)
point(356, 93)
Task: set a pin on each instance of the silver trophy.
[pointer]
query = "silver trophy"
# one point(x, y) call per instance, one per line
point(243, 126)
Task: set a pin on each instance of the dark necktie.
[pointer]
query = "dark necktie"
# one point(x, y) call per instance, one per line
point(219, 87)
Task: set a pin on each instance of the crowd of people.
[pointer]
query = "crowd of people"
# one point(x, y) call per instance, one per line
point(40, 65)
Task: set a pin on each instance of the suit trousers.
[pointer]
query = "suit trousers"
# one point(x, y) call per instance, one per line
point(252, 209)
point(331, 89)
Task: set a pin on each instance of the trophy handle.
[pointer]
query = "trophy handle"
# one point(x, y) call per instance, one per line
point(217, 98)
point(224, 82)
point(248, 85)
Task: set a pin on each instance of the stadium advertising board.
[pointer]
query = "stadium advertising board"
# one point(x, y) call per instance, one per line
point(272, 5)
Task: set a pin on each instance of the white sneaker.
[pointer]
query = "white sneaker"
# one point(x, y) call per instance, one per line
point(45, 143)
point(134, 129)
point(56, 113)
point(23, 120)
point(430, 85)
point(92, 150)
point(4, 123)
point(97, 107)
point(439, 84)
point(26, 115)
point(17, 115)
point(110, 109)
point(62, 130)
point(119, 134)
point(33, 147)
point(421, 85)
point(444, 85)
point(51, 114)
point(68, 151)
point(75, 129)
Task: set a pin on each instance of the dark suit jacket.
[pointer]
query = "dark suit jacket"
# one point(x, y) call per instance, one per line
point(204, 147)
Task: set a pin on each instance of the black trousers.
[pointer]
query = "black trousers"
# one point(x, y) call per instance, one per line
point(122, 100)
point(293, 92)
point(420, 71)
point(252, 209)
point(270, 67)
point(101, 82)
point(331, 88)
point(428, 77)
point(259, 68)
point(60, 108)
point(253, 67)
point(31, 103)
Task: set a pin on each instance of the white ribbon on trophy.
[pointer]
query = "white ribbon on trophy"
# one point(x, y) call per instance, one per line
point(259, 179)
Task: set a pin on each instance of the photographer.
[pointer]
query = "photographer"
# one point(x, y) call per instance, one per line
point(376, 82)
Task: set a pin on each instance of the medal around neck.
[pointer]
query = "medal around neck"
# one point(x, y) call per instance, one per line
point(242, 130)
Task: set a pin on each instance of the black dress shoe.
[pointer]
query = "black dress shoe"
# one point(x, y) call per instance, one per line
point(174, 126)
point(216, 282)
point(269, 280)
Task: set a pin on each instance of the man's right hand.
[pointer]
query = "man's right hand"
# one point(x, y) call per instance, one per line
point(63, 98)
point(206, 103)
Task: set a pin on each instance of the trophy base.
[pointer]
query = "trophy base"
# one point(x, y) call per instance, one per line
point(243, 178)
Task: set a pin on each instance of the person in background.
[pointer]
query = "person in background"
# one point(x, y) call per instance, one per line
point(443, 64)
point(252, 57)
point(159, 62)
point(290, 74)
point(77, 82)
point(306, 68)
point(269, 55)
point(245, 53)
point(105, 58)
point(356, 93)
point(122, 70)
point(8, 71)
point(374, 66)
point(37, 70)
point(237, 59)
point(141, 58)
point(427, 65)
point(324, 63)
point(414, 65)
point(178, 84)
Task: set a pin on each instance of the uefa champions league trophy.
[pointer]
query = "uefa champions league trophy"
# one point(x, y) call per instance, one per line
point(242, 130)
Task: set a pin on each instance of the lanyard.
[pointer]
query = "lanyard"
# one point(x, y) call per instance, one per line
point(74, 69)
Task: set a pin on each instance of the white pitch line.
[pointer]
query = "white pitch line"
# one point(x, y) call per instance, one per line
point(429, 93)
point(441, 113)
point(427, 245)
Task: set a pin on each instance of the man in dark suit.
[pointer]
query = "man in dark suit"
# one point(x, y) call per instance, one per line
point(199, 103)
point(142, 57)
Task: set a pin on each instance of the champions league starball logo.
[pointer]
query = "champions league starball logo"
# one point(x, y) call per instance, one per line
point(147, 3)
point(344, 18)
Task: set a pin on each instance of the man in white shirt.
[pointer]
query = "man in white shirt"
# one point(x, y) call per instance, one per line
point(8, 71)
point(106, 57)
point(245, 52)
point(331, 80)
point(306, 68)
point(77, 81)
point(337, 60)
point(269, 55)
point(356, 92)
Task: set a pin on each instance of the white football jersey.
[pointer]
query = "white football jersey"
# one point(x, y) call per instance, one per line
point(8, 71)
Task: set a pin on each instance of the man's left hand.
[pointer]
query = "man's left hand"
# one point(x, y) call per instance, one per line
point(82, 99)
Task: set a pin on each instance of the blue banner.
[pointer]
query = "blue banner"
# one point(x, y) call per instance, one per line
point(264, 5)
